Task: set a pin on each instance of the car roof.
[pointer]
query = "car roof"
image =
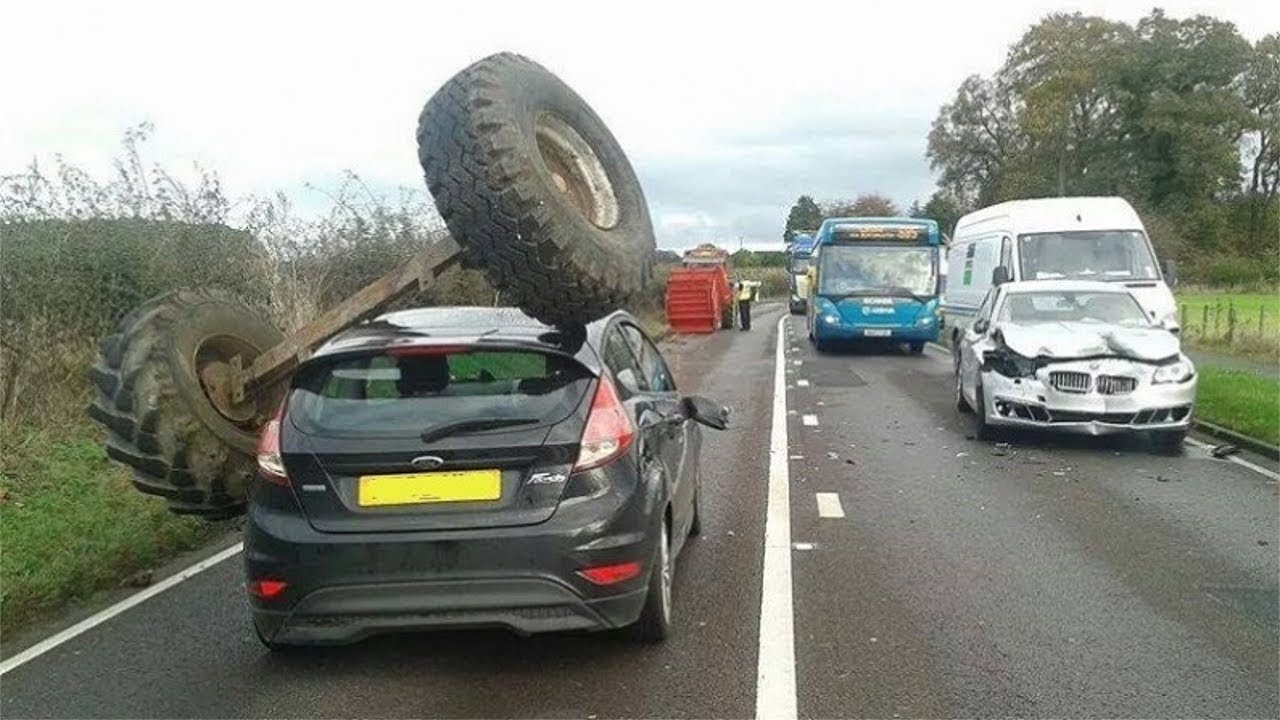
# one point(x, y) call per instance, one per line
point(498, 326)
point(1023, 286)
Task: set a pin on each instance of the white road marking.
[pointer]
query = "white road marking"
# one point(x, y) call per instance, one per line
point(809, 420)
point(802, 383)
point(1237, 460)
point(776, 659)
point(797, 362)
point(93, 621)
point(829, 505)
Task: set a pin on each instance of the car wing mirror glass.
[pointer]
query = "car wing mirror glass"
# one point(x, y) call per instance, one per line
point(707, 411)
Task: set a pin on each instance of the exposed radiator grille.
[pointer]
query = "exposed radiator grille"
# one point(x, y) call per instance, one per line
point(1067, 381)
point(1116, 385)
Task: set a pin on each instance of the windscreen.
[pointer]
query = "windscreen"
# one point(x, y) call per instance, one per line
point(1031, 308)
point(876, 270)
point(389, 395)
point(1087, 255)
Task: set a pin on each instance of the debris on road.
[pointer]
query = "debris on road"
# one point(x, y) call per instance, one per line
point(1222, 451)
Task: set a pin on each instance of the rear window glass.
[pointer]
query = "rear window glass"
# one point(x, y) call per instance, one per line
point(390, 395)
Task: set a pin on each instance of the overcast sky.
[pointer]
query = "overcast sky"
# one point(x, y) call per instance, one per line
point(728, 111)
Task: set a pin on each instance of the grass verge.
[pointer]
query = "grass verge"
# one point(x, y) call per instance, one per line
point(1242, 401)
point(1245, 324)
point(71, 524)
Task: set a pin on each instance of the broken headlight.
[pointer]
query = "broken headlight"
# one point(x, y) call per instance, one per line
point(1178, 371)
point(1010, 364)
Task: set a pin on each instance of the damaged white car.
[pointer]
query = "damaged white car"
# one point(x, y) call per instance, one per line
point(1074, 356)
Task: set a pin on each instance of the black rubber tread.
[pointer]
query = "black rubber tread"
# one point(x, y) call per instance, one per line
point(652, 626)
point(146, 398)
point(480, 157)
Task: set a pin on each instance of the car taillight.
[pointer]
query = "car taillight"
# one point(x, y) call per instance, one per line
point(270, 464)
point(609, 431)
point(611, 574)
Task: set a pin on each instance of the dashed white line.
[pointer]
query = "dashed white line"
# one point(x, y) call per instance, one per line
point(802, 383)
point(96, 619)
point(829, 505)
point(776, 658)
point(809, 420)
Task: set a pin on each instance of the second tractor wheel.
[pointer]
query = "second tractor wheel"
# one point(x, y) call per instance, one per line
point(162, 392)
point(536, 190)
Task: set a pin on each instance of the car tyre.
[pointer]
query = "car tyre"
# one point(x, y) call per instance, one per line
point(695, 526)
point(961, 404)
point(982, 429)
point(655, 618)
point(1168, 442)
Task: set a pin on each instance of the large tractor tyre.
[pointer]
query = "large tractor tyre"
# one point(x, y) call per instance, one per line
point(162, 393)
point(536, 190)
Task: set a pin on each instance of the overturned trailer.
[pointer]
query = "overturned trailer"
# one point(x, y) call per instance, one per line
point(535, 191)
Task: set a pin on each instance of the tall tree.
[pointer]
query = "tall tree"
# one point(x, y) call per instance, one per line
point(1064, 70)
point(865, 205)
point(805, 215)
point(945, 209)
point(974, 138)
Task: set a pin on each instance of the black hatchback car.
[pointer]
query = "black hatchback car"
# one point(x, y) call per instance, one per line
point(470, 467)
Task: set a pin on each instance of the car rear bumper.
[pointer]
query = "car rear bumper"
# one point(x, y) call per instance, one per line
point(526, 605)
point(342, 587)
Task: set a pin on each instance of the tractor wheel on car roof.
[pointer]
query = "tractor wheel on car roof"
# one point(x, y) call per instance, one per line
point(536, 190)
point(161, 392)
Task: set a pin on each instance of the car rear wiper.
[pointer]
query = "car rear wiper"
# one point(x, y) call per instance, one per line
point(473, 425)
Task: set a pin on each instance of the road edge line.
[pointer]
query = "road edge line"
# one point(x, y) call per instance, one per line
point(1238, 461)
point(102, 616)
point(775, 659)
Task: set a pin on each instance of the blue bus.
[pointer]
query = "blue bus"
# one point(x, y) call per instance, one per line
point(798, 253)
point(875, 279)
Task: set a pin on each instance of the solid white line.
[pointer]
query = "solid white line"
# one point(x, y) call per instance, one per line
point(809, 420)
point(1239, 461)
point(802, 383)
point(829, 505)
point(93, 621)
point(776, 659)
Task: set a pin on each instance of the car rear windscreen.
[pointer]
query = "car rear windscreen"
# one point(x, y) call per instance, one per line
point(389, 394)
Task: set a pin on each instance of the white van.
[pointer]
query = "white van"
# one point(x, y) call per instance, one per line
point(1073, 238)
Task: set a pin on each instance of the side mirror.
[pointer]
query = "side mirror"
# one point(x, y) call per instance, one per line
point(981, 326)
point(707, 411)
point(1169, 268)
point(1000, 275)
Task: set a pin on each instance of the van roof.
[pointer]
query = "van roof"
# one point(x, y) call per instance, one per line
point(1050, 214)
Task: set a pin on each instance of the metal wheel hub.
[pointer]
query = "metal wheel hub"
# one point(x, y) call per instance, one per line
point(576, 171)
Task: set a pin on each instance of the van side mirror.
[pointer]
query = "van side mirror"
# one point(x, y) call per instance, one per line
point(706, 411)
point(1000, 275)
point(981, 326)
point(1169, 268)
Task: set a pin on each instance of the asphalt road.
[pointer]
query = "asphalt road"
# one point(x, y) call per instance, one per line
point(1050, 578)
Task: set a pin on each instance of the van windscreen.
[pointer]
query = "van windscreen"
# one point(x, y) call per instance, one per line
point(1107, 255)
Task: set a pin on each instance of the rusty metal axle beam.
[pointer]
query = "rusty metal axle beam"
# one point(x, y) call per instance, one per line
point(276, 363)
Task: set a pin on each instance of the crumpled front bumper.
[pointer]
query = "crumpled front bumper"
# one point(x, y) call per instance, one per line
point(1034, 402)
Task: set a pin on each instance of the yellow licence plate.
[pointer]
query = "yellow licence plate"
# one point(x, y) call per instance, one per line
point(435, 487)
